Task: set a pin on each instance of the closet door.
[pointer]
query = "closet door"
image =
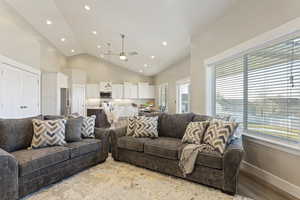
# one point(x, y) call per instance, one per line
point(30, 95)
point(11, 92)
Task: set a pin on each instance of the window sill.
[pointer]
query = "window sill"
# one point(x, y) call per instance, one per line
point(271, 143)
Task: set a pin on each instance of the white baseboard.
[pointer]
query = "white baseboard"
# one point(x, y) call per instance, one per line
point(276, 181)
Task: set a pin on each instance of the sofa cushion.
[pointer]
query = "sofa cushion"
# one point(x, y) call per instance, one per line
point(16, 134)
point(73, 129)
point(131, 143)
point(207, 159)
point(164, 147)
point(200, 118)
point(36, 159)
point(173, 125)
point(83, 147)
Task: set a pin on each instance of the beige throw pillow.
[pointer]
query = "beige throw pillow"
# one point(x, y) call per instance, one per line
point(48, 133)
point(194, 132)
point(218, 134)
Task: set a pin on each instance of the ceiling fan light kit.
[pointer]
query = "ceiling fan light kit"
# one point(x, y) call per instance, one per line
point(122, 55)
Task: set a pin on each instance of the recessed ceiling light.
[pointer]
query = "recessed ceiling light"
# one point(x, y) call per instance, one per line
point(94, 32)
point(98, 46)
point(87, 7)
point(49, 22)
point(72, 50)
point(164, 43)
point(63, 39)
point(152, 57)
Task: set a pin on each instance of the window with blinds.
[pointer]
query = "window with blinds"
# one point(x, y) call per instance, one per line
point(229, 84)
point(262, 90)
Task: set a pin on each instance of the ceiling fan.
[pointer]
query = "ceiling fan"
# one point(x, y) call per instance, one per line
point(122, 55)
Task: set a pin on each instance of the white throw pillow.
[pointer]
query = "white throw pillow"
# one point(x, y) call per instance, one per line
point(88, 127)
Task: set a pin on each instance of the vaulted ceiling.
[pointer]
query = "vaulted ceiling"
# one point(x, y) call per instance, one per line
point(86, 26)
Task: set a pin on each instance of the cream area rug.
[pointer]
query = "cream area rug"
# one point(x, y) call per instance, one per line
point(113, 180)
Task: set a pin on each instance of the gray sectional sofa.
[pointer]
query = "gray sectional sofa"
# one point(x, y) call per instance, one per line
point(162, 154)
point(24, 171)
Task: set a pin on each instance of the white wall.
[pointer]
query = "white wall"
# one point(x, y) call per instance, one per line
point(20, 42)
point(98, 70)
point(171, 75)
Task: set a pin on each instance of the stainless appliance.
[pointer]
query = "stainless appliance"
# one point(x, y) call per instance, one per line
point(105, 95)
point(65, 104)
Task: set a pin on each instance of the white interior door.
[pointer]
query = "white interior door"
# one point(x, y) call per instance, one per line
point(78, 99)
point(11, 90)
point(30, 95)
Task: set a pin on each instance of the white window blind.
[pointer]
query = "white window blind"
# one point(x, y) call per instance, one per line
point(229, 84)
point(262, 90)
point(274, 90)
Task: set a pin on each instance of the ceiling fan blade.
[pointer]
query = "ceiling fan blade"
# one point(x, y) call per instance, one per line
point(134, 53)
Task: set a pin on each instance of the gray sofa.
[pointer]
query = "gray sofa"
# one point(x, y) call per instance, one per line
point(24, 171)
point(163, 154)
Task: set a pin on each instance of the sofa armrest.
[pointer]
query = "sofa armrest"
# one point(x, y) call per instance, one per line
point(115, 134)
point(103, 135)
point(233, 157)
point(8, 176)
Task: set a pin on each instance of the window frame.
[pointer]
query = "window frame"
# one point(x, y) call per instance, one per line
point(279, 34)
point(178, 84)
point(159, 88)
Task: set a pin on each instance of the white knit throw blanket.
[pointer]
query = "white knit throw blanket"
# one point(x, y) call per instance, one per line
point(189, 156)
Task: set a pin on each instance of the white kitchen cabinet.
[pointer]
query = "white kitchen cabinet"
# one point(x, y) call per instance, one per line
point(130, 91)
point(53, 84)
point(19, 90)
point(151, 92)
point(92, 91)
point(146, 91)
point(142, 88)
point(117, 91)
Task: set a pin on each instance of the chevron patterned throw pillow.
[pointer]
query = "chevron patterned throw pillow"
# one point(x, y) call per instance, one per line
point(218, 134)
point(48, 133)
point(146, 127)
point(131, 124)
point(194, 132)
point(88, 127)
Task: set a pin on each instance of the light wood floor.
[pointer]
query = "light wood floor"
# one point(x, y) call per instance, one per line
point(257, 189)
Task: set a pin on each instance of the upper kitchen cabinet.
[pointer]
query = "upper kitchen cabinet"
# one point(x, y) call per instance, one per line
point(146, 91)
point(117, 91)
point(130, 91)
point(92, 91)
